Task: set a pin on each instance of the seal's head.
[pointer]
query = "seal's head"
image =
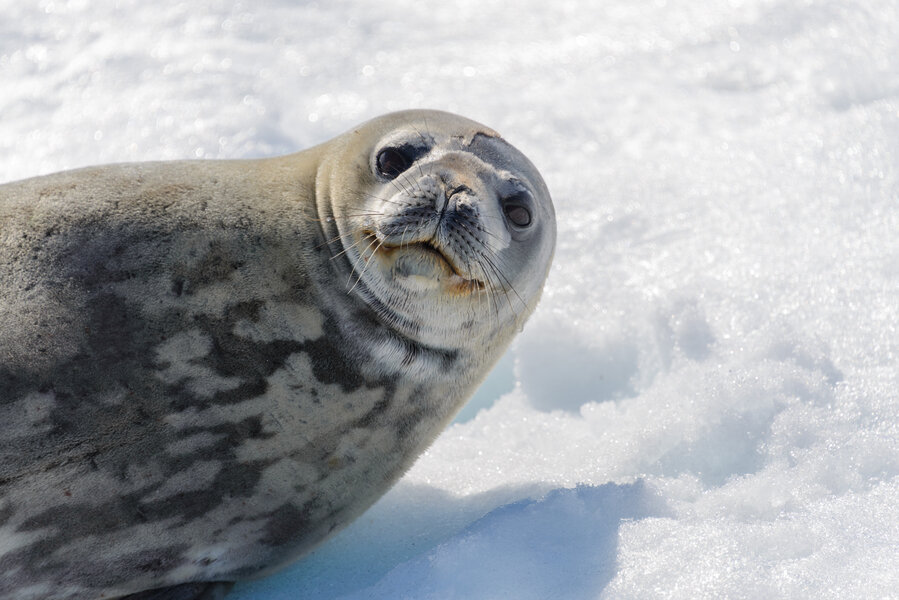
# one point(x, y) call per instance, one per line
point(442, 227)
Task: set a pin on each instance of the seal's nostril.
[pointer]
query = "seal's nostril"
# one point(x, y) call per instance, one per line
point(458, 190)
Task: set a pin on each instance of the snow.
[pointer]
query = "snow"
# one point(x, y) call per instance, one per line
point(705, 404)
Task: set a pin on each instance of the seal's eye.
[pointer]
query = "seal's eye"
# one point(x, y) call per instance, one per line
point(517, 214)
point(393, 161)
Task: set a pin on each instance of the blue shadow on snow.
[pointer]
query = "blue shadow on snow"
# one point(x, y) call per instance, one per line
point(420, 542)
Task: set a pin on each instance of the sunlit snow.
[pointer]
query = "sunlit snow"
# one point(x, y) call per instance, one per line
point(705, 404)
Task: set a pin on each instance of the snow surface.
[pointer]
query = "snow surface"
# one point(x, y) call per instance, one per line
point(705, 403)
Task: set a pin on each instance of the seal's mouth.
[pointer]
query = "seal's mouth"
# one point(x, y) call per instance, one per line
point(422, 261)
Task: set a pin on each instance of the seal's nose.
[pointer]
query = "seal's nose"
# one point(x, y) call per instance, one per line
point(462, 200)
point(460, 174)
point(459, 189)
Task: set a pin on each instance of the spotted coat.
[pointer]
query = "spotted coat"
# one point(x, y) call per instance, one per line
point(183, 394)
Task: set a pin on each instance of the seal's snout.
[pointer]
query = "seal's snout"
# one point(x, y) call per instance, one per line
point(457, 190)
point(462, 202)
point(466, 200)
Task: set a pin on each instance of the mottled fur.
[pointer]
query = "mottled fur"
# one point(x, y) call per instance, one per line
point(188, 392)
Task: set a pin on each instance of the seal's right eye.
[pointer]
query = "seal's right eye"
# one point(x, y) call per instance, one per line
point(393, 161)
point(517, 211)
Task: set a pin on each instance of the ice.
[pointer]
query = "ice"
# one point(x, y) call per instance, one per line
point(705, 403)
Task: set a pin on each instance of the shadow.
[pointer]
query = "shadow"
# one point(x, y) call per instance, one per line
point(584, 371)
point(500, 381)
point(422, 542)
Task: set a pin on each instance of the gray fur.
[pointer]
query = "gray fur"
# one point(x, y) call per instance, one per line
point(201, 378)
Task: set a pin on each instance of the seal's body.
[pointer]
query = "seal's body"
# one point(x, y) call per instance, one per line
point(207, 367)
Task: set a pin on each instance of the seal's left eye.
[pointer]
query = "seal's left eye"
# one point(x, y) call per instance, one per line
point(517, 214)
point(393, 161)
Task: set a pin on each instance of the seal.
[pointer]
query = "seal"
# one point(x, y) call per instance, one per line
point(208, 367)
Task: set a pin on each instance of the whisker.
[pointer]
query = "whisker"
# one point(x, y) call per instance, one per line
point(486, 254)
point(488, 280)
point(480, 287)
point(491, 290)
point(367, 262)
point(494, 279)
point(334, 239)
point(347, 248)
point(473, 234)
point(420, 135)
point(399, 188)
point(412, 183)
point(507, 286)
point(372, 213)
point(501, 273)
point(403, 240)
point(378, 198)
point(355, 266)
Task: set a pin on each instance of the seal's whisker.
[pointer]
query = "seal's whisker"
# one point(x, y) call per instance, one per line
point(499, 277)
point(481, 293)
point(508, 283)
point(414, 184)
point(464, 239)
point(367, 262)
point(421, 136)
point(492, 294)
point(505, 284)
point(490, 286)
point(387, 200)
point(404, 243)
point(347, 248)
point(474, 235)
point(494, 217)
point(425, 141)
point(356, 266)
point(490, 252)
point(399, 187)
point(334, 239)
point(480, 287)
point(491, 234)
point(468, 267)
point(373, 213)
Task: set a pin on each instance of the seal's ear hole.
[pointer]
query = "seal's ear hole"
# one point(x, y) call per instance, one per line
point(517, 212)
point(393, 161)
